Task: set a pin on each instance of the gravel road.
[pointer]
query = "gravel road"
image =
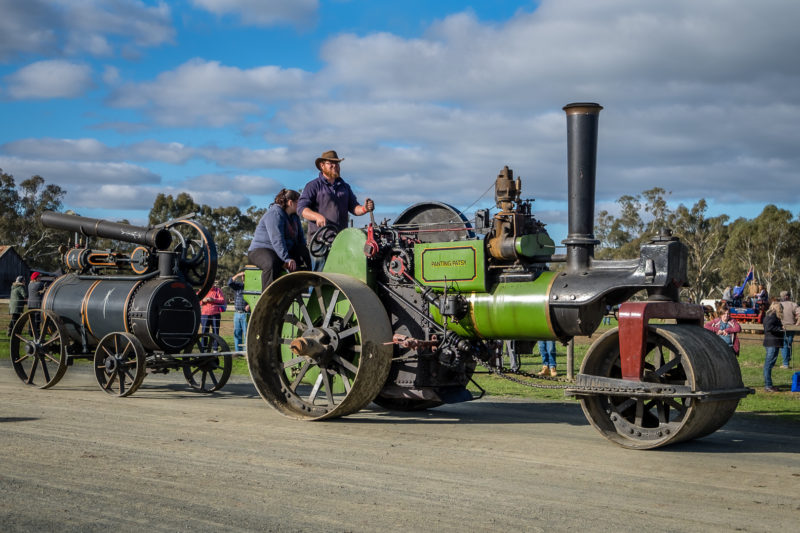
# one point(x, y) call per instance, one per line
point(167, 459)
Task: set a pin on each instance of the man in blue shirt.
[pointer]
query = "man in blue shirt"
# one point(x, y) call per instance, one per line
point(328, 199)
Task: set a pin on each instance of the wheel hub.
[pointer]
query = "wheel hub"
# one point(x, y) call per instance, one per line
point(112, 364)
point(316, 344)
point(30, 348)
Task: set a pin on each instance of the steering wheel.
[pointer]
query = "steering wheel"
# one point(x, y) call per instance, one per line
point(322, 240)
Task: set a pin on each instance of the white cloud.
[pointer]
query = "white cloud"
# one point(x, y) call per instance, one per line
point(81, 26)
point(209, 93)
point(49, 79)
point(264, 12)
point(82, 173)
point(95, 150)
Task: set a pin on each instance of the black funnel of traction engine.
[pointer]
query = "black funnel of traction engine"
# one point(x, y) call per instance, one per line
point(582, 121)
point(158, 238)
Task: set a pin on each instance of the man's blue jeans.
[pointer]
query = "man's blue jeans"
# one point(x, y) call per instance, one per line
point(786, 350)
point(239, 330)
point(548, 351)
point(769, 362)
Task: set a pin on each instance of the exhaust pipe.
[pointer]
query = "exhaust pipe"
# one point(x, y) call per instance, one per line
point(582, 119)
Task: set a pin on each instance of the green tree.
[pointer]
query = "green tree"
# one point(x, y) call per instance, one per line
point(21, 208)
point(705, 240)
point(621, 236)
point(764, 242)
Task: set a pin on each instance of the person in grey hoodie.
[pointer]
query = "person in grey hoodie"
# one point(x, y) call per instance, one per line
point(279, 242)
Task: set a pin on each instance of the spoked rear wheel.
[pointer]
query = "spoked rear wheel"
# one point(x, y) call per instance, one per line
point(119, 364)
point(39, 348)
point(677, 355)
point(208, 373)
point(315, 345)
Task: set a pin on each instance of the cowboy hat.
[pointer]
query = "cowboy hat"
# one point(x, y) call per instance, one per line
point(330, 155)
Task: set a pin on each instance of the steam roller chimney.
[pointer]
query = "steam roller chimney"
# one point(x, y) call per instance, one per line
point(582, 119)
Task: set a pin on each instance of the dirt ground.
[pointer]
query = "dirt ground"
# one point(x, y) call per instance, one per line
point(167, 459)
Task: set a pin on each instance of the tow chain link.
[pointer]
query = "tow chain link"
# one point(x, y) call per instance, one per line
point(504, 372)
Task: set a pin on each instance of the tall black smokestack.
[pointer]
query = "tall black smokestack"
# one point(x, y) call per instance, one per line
point(582, 119)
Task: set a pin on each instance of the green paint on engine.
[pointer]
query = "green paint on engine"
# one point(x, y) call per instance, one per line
point(460, 264)
point(514, 311)
point(347, 255)
point(534, 244)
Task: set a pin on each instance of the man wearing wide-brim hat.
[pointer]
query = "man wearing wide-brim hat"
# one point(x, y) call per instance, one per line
point(327, 199)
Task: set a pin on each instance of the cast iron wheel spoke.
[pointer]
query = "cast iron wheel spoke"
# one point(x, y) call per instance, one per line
point(326, 383)
point(678, 354)
point(112, 378)
point(351, 331)
point(297, 360)
point(34, 366)
point(306, 316)
point(206, 364)
point(663, 412)
point(639, 412)
point(331, 307)
point(300, 375)
point(669, 365)
point(340, 352)
point(346, 364)
point(44, 369)
point(349, 315)
point(315, 390)
point(295, 321)
point(675, 405)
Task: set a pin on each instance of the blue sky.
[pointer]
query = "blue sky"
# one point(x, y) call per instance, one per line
point(230, 100)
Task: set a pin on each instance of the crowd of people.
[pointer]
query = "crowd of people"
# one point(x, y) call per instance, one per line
point(777, 316)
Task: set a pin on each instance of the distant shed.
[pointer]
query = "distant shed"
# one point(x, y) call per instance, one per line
point(11, 266)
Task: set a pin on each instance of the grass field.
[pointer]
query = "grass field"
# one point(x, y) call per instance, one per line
point(785, 404)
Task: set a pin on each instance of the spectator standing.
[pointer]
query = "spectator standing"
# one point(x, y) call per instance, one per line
point(35, 291)
point(241, 311)
point(726, 328)
point(790, 315)
point(548, 351)
point(773, 340)
point(16, 302)
point(763, 298)
point(211, 311)
point(607, 316)
point(727, 295)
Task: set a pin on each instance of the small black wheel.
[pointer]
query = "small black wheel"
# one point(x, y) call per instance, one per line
point(38, 341)
point(322, 240)
point(119, 364)
point(206, 373)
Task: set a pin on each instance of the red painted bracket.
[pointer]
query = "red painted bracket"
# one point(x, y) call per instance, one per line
point(371, 247)
point(633, 321)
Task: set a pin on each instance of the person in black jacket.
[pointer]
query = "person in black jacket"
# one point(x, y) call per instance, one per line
point(773, 340)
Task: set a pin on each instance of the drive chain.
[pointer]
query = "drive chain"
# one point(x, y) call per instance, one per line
point(510, 375)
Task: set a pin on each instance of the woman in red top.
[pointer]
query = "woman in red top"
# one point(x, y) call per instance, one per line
point(726, 327)
point(211, 307)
